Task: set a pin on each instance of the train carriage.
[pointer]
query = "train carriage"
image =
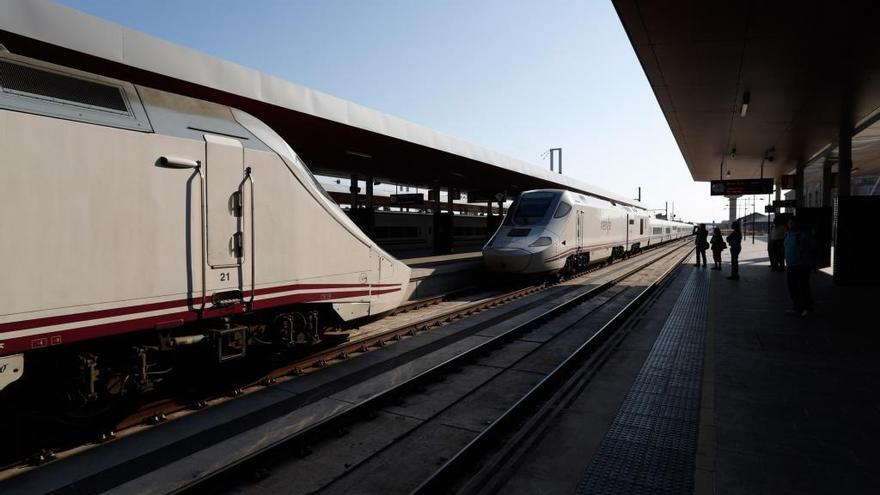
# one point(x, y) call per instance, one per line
point(551, 230)
point(138, 221)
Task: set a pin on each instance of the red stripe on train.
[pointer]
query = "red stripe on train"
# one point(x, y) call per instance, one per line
point(50, 338)
point(143, 308)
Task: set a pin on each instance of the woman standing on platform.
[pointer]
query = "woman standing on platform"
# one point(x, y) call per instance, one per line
point(718, 245)
point(702, 244)
point(735, 241)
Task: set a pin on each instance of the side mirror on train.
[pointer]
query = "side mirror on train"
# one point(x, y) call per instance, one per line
point(176, 162)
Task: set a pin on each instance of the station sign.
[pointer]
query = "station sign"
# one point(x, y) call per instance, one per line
point(738, 187)
point(480, 196)
point(785, 203)
point(769, 209)
point(411, 199)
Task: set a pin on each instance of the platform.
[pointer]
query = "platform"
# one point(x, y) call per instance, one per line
point(434, 275)
point(717, 390)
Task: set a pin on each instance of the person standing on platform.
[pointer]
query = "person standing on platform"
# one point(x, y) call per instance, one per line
point(734, 240)
point(702, 244)
point(799, 258)
point(775, 246)
point(718, 245)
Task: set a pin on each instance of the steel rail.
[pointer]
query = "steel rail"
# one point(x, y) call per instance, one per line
point(440, 480)
point(335, 422)
point(156, 412)
point(344, 350)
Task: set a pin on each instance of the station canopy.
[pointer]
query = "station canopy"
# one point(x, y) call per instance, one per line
point(333, 136)
point(804, 69)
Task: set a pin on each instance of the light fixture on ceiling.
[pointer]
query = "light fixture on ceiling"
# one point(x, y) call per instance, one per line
point(732, 153)
point(728, 172)
point(358, 153)
point(745, 104)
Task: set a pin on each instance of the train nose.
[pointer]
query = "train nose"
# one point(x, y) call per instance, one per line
point(507, 259)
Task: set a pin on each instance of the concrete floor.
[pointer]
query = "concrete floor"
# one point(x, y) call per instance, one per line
point(797, 403)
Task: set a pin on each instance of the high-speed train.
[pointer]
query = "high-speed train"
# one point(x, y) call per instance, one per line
point(549, 230)
point(137, 223)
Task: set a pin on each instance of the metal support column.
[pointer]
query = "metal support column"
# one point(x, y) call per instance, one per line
point(826, 183)
point(799, 186)
point(847, 253)
point(844, 162)
point(368, 220)
point(732, 213)
point(354, 189)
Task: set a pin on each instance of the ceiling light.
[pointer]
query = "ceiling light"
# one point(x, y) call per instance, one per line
point(358, 153)
point(745, 104)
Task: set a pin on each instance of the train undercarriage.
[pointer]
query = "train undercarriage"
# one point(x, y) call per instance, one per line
point(87, 388)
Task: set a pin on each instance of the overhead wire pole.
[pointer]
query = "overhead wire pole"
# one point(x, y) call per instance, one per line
point(552, 152)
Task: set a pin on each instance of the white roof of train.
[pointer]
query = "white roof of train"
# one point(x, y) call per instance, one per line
point(68, 28)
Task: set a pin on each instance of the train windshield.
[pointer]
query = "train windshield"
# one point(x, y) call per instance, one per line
point(530, 208)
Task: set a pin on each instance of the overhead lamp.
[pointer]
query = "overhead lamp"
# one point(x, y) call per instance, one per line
point(745, 104)
point(733, 153)
point(358, 153)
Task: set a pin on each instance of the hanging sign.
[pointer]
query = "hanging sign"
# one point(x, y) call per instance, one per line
point(738, 187)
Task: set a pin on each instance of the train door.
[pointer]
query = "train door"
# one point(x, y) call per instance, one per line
point(580, 230)
point(225, 209)
point(629, 226)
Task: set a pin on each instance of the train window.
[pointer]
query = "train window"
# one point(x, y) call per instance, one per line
point(562, 210)
point(68, 94)
point(32, 81)
point(667, 230)
point(531, 208)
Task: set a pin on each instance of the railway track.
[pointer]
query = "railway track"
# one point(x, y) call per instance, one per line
point(378, 340)
point(592, 302)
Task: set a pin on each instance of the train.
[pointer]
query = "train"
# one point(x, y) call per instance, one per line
point(554, 230)
point(140, 223)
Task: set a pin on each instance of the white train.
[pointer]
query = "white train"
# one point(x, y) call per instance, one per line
point(549, 230)
point(137, 222)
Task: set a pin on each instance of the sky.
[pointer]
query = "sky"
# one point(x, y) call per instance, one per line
point(514, 76)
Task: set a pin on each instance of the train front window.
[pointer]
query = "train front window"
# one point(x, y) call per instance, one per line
point(562, 209)
point(531, 208)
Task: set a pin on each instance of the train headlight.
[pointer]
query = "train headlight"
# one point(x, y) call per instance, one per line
point(541, 242)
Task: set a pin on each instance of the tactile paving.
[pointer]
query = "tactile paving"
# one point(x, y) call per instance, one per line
point(652, 442)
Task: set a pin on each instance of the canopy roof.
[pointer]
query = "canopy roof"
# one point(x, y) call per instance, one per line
point(334, 136)
point(807, 66)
